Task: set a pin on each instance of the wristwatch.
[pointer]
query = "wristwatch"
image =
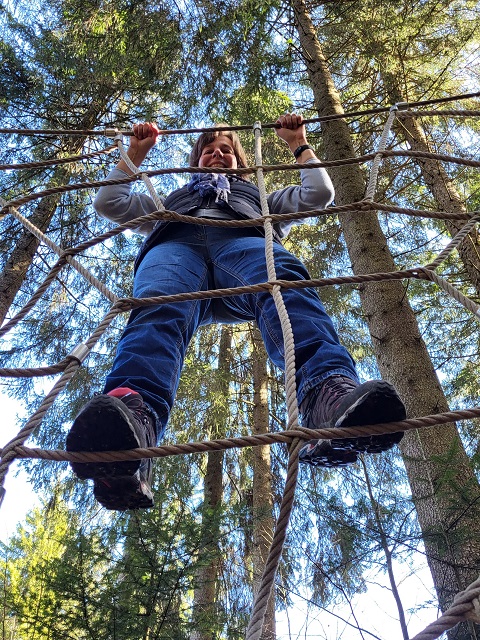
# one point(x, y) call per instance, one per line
point(299, 150)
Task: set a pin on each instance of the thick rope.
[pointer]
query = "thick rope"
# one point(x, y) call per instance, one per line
point(131, 303)
point(466, 605)
point(285, 437)
point(255, 626)
point(240, 223)
point(127, 304)
point(239, 171)
point(254, 629)
point(361, 205)
point(288, 338)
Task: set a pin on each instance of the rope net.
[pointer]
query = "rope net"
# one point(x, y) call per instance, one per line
point(466, 604)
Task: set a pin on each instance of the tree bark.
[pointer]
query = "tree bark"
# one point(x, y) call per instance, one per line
point(444, 488)
point(206, 577)
point(13, 275)
point(263, 521)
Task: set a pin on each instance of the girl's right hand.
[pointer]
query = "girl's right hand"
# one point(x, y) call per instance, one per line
point(144, 137)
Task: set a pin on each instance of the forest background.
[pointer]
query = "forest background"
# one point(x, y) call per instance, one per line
point(187, 568)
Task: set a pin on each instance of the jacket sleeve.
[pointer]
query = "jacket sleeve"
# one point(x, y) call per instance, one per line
point(315, 192)
point(117, 203)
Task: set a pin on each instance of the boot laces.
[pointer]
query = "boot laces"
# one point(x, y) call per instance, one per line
point(324, 399)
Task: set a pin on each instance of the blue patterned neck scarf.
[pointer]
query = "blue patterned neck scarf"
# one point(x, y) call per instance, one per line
point(209, 184)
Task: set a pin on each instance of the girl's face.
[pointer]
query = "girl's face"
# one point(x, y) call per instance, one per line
point(219, 153)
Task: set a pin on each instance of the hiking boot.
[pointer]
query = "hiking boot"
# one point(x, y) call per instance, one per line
point(115, 421)
point(341, 402)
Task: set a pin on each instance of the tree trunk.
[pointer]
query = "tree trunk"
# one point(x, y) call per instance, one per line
point(441, 186)
point(263, 521)
point(444, 488)
point(16, 267)
point(207, 574)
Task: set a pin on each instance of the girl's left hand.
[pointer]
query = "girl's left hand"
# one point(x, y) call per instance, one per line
point(292, 130)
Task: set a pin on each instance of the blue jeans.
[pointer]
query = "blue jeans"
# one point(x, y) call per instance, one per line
point(151, 351)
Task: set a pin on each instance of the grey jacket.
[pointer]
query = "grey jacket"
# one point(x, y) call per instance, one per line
point(117, 203)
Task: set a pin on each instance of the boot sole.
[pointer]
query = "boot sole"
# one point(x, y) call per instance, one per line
point(123, 493)
point(374, 402)
point(105, 424)
point(322, 455)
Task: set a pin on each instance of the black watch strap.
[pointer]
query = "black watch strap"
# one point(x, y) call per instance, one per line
point(299, 150)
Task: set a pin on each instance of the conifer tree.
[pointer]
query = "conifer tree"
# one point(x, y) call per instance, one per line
point(443, 485)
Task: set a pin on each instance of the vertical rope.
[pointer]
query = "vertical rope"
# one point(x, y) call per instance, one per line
point(254, 630)
point(133, 167)
point(372, 180)
point(288, 338)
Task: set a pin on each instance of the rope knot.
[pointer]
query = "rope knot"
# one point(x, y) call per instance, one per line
point(123, 304)
point(366, 204)
point(475, 614)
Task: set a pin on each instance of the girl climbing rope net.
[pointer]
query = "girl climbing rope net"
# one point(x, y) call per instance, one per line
point(176, 258)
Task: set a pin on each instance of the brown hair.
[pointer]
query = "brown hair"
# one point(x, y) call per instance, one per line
point(210, 136)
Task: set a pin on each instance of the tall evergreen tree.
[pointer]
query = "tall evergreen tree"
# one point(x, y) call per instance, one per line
point(444, 487)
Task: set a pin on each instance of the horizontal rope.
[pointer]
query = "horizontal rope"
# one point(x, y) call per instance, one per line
point(33, 372)
point(127, 304)
point(172, 215)
point(240, 171)
point(270, 125)
point(247, 441)
point(277, 218)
